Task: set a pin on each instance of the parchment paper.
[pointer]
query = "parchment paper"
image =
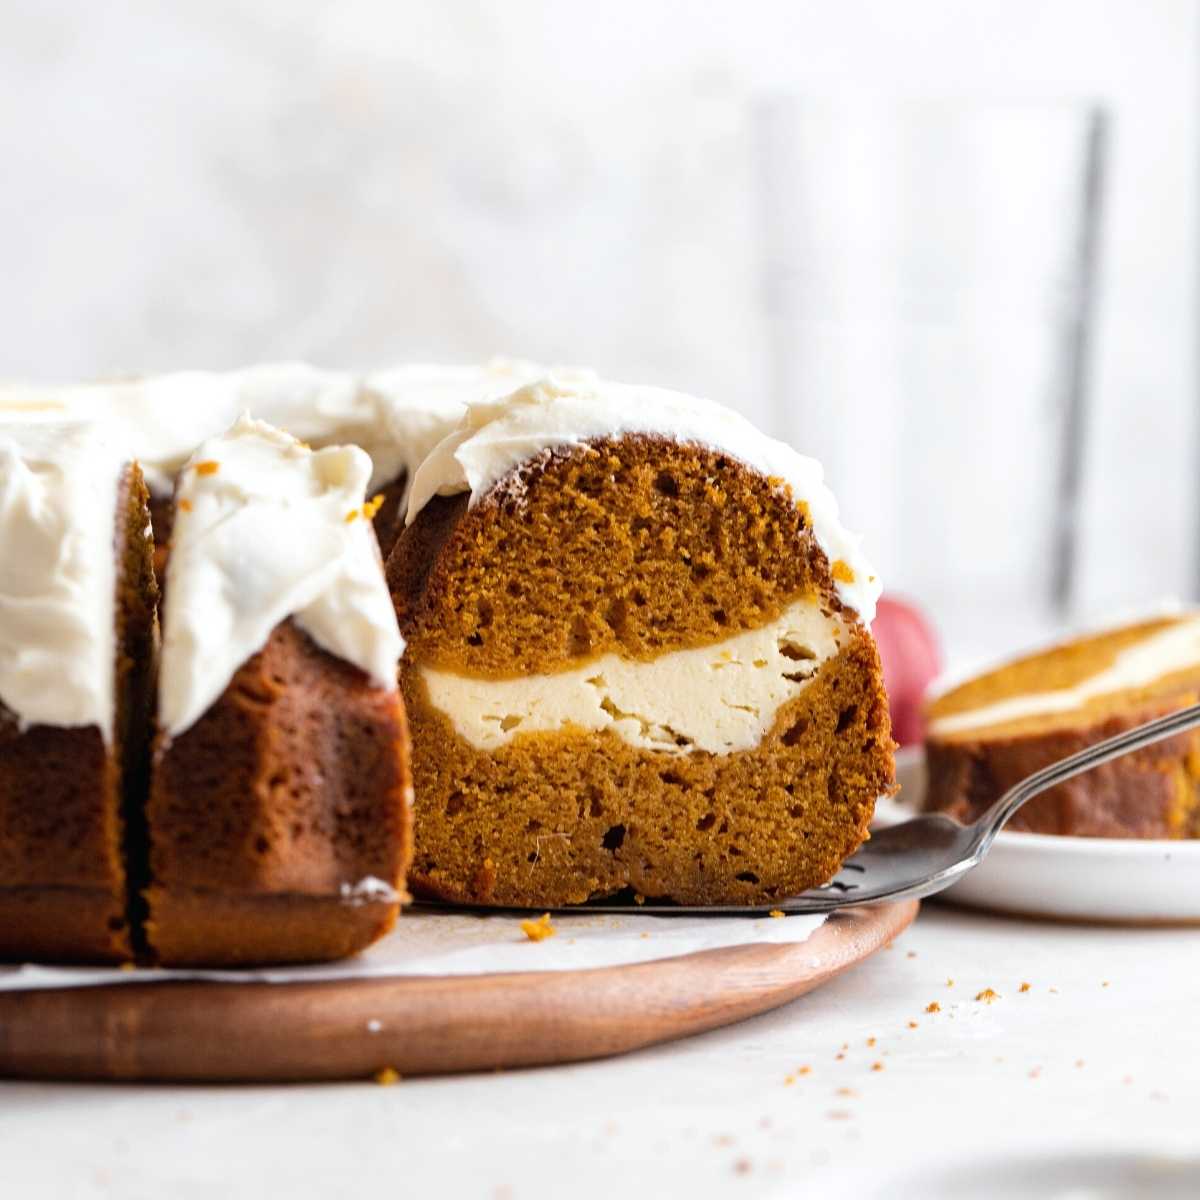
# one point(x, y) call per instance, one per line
point(434, 943)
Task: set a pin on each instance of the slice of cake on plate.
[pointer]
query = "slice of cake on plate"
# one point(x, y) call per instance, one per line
point(279, 804)
point(77, 601)
point(992, 731)
point(638, 656)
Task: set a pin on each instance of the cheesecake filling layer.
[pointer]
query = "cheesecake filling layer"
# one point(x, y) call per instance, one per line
point(1176, 648)
point(719, 699)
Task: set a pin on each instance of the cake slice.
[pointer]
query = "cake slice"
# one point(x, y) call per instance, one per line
point(638, 656)
point(77, 628)
point(279, 802)
point(990, 732)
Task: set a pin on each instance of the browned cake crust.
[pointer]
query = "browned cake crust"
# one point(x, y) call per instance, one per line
point(292, 785)
point(637, 546)
point(1152, 794)
point(64, 794)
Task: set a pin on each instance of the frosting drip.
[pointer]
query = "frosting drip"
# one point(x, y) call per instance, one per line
point(267, 529)
point(59, 487)
point(496, 436)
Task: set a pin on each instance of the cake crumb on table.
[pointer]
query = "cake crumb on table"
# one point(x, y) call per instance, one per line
point(539, 930)
point(933, 1006)
point(386, 1076)
point(1024, 987)
point(877, 1066)
point(778, 912)
point(912, 1024)
point(988, 995)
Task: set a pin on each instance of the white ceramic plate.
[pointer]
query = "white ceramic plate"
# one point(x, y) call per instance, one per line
point(1071, 878)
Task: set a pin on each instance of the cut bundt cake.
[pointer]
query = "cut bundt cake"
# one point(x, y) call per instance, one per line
point(638, 656)
point(279, 804)
point(993, 730)
point(77, 601)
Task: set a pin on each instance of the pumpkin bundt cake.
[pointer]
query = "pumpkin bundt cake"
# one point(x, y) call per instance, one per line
point(995, 729)
point(77, 602)
point(638, 656)
point(278, 814)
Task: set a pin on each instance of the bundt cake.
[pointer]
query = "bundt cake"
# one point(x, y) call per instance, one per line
point(278, 814)
point(993, 730)
point(638, 656)
point(77, 602)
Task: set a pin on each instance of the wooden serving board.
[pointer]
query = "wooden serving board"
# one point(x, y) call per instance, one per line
point(243, 1032)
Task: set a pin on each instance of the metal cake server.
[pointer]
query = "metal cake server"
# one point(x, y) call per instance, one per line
point(926, 854)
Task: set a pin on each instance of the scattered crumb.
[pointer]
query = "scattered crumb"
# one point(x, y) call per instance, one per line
point(1054, 991)
point(805, 1070)
point(838, 1056)
point(1024, 987)
point(912, 1025)
point(777, 913)
point(1079, 1062)
point(845, 1045)
point(844, 1091)
point(742, 1166)
point(207, 468)
point(723, 1139)
point(870, 1041)
point(374, 1026)
point(933, 1006)
point(1105, 983)
point(988, 995)
point(185, 505)
point(645, 935)
point(949, 982)
point(386, 1076)
point(539, 930)
point(877, 1066)
point(911, 954)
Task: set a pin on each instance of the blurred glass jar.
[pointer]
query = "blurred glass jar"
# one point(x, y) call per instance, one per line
point(928, 273)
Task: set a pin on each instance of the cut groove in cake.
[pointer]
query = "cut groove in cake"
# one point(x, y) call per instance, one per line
point(77, 627)
point(631, 662)
point(279, 804)
point(993, 730)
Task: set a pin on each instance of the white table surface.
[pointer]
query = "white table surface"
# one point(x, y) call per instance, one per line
point(1090, 1075)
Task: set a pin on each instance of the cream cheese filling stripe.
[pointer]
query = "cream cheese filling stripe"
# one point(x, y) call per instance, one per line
point(1174, 649)
point(720, 699)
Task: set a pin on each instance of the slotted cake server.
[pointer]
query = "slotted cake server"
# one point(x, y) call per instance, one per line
point(921, 856)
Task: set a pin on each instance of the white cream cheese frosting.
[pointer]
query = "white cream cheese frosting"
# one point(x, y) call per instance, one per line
point(1176, 648)
point(418, 404)
point(267, 529)
point(496, 436)
point(396, 415)
point(720, 699)
point(59, 487)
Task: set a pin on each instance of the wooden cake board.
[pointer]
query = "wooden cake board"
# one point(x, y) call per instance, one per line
point(265, 1032)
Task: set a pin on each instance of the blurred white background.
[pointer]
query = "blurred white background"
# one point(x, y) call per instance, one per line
point(207, 183)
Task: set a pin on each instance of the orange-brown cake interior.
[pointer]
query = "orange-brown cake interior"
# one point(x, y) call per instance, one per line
point(636, 546)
